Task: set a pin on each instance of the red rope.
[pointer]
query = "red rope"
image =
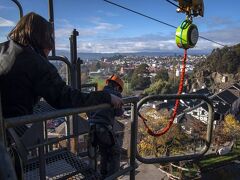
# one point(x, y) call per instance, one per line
point(180, 88)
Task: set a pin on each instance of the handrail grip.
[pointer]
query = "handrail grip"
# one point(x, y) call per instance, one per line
point(209, 128)
point(67, 62)
point(19, 7)
point(61, 58)
point(17, 121)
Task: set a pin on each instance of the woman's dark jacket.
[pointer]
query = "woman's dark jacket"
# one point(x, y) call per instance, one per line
point(33, 76)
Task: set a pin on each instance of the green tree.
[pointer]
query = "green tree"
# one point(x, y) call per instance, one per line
point(225, 60)
point(159, 87)
point(171, 143)
point(140, 78)
point(231, 127)
point(162, 74)
point(162, 87)
point(98, 65)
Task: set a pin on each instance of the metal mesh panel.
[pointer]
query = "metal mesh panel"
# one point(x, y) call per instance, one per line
point(61, 166)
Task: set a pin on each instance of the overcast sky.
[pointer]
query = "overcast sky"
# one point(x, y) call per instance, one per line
point(105, 28)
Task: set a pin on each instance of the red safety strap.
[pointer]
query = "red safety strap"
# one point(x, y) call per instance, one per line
point(180, 88)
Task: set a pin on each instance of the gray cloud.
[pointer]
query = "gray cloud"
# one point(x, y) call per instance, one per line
point(135, 44)
point(66, 28)
point(107, 26)
point(226, 36)
point(108, 14)
point(5, 7)
point(218, 23)
point(146, 42)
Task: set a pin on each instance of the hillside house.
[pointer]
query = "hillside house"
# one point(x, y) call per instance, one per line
point(222, 103)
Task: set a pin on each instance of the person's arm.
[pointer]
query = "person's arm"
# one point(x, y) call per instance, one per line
point(118, 110)
point(54, 90)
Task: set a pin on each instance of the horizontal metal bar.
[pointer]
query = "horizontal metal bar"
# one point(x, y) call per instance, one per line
point(56, 140)
point(17, 121)
point(208, 135)
point(52, 141)
point(132, 99)
point(89, 85)
point(21, 120)
point(173, 96)
point(167, 159)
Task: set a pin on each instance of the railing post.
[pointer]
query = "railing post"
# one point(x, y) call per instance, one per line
point(42, 165)
point(79, 63)
point(133, 141)
point(74, 123)
point(69, 82)
point(41, 152)
point(51, 20)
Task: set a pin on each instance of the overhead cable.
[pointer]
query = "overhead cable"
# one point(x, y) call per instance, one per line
point(140, 14)
point(154, 19)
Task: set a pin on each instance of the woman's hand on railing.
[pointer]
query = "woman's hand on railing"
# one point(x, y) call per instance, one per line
point(116, 101)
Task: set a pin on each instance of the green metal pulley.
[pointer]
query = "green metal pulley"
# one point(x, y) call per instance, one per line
point(187, 35)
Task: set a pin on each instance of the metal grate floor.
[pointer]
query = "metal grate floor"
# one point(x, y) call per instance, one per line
point(61, 165)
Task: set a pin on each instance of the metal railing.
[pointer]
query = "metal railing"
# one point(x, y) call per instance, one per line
point(209, 128)
point(18, 121)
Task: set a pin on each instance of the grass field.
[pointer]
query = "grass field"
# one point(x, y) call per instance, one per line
point(99, 81)
point(215, 160)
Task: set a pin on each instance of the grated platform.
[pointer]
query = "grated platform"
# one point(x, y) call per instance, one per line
point(61, 165)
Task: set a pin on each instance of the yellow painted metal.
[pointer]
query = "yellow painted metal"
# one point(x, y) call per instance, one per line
point(191, 7)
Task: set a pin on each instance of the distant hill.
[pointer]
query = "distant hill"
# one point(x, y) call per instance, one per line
point(225, 60)
point(221, 68)
point(95, 56)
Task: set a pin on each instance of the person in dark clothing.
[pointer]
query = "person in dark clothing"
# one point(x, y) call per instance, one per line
point(32, 76)
point(104, 136)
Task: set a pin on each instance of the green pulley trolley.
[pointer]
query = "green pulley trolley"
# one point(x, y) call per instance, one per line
point(187, 35)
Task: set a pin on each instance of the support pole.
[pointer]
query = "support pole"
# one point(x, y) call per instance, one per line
point(74, 83)
point(133, 142)
point(51, 20)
